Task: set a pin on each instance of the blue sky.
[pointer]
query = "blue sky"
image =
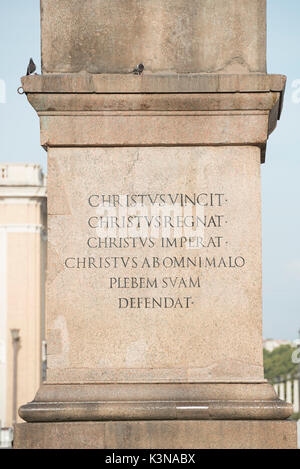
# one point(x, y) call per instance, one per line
point(19, 141)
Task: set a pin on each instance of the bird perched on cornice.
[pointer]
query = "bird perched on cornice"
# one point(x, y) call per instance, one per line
point(139, 69)
point(31, 67)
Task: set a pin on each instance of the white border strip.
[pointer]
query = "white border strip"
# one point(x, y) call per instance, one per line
point(3, 324)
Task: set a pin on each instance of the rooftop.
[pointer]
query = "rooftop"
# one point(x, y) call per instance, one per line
point(22, 179)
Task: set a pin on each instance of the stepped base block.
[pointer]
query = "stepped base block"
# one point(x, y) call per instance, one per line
point(172, 401)
point(180, 434)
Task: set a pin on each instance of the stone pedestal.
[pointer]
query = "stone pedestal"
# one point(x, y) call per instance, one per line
point(154, 256)
point(163, 434)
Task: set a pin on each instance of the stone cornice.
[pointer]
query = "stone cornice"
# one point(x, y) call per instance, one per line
point(152, 83)
point(128, 110)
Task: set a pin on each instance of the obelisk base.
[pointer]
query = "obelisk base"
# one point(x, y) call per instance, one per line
point(180, 434)
point(155, 401)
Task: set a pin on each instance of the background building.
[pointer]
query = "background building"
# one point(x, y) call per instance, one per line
point(271, 344)
point(23, 220)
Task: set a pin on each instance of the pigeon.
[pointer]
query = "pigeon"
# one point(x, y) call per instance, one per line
point(31, 67)
point(139, 69)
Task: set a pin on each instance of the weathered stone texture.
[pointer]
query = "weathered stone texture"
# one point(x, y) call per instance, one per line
point(170, 36)
point(226, 434)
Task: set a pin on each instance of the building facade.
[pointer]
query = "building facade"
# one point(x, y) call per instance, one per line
point(271, 344)
point(23, 228)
